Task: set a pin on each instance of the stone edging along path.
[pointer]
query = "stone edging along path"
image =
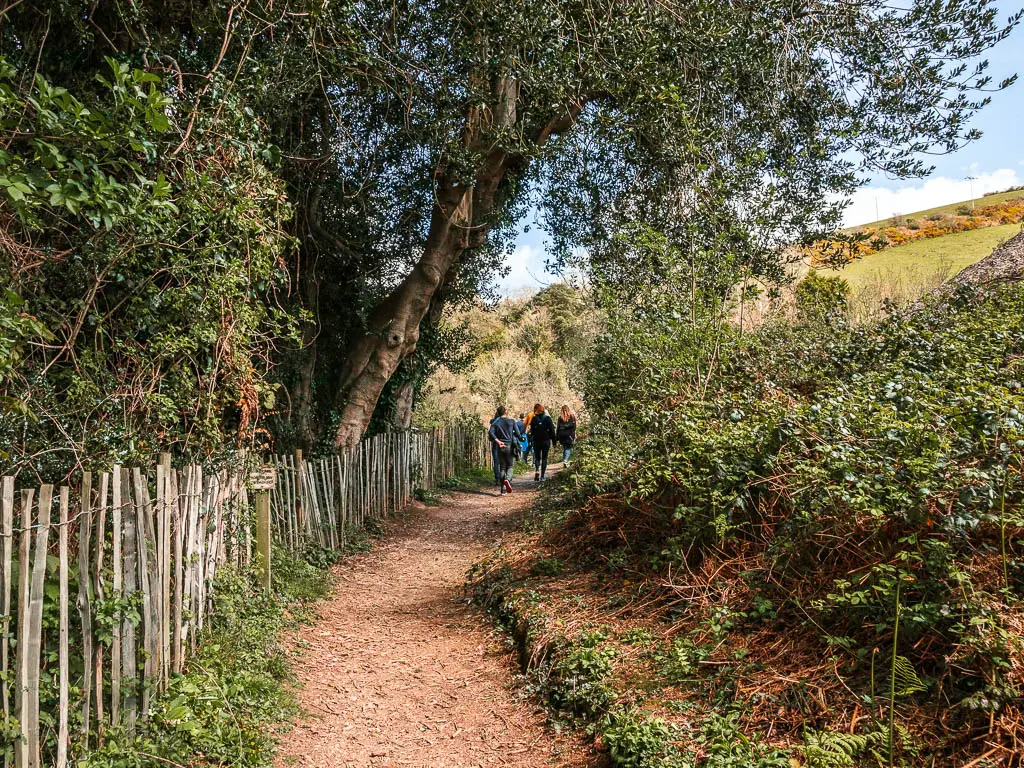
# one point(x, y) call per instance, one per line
point(400, 672)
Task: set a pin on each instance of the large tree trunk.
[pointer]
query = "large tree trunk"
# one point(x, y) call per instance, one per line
point(394, 327)
point(459, 220)
point(302, 397)
point(303, 402)
point(402, 416)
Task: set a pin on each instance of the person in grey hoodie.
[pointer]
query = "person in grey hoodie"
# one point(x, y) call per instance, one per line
point(504, 434)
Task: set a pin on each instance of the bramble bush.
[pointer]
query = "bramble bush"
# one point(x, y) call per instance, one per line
point(869, 478)
point(140, 308)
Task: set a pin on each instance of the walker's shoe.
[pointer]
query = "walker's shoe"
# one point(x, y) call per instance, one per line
point(536, 477)
point(507, 487)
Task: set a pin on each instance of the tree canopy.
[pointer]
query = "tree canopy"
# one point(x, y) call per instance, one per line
point(212, 213)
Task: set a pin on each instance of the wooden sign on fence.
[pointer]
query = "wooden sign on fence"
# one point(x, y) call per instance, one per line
point(263, 478)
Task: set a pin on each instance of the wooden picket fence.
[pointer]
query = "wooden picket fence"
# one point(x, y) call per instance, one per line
point(144, 548)
point(318, 499)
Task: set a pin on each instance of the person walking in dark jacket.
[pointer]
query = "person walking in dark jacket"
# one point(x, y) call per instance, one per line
point(504, 433)
point(495, 460)
point(542, 430)
point(565, 432)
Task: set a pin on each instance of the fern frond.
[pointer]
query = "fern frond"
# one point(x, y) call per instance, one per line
point(907, 681)
point(828, 749)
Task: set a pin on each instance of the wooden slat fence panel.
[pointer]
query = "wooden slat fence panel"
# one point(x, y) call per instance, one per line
point(84, 602)
point(6, 555)
point(24, 585)
point(117, 557)
point(129, 652)
point(34, 631)
point(150, 541)
point(100, 592)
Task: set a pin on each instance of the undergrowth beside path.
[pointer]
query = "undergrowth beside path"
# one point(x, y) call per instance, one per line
point(234, 691)
point(813, 559)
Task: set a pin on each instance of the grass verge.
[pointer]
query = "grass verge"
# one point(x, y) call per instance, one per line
point(222, 711)
point(919, 259)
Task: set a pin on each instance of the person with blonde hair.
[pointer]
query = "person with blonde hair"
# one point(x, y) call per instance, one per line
point(565, 432)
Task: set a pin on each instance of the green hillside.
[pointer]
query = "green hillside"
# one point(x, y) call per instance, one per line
point(950, 208)
point(950, 253)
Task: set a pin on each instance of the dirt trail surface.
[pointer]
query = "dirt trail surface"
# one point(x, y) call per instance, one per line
point(401, 671)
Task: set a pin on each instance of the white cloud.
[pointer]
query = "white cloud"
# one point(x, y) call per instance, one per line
point(940, 190)
point(526, 271)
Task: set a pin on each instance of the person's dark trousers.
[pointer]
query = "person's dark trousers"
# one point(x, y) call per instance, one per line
point(496, 462)
point(540, 459)
point(529, 449)
point(507, 462)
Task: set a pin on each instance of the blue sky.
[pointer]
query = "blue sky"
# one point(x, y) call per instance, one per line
point(996, 161)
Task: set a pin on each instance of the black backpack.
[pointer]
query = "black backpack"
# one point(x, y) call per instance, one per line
point(543, 429)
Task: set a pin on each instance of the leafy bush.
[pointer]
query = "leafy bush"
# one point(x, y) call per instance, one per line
point(635, 741)
point(679, 661)
point(877, 469)
point(547, 566)
point(728, 747)
point(818, 296)
point(577, 678)
point(637, 636)
point(152, 268)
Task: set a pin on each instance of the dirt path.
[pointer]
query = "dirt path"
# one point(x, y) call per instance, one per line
point(400, 671)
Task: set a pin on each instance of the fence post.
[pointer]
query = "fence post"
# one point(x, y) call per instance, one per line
point(263, 535)
point(262, 482)
point(300, 507)
point(164, 563)
point(6, 555)
point(117, 560)
point(101, 527)
point(63, 650)
point(32, 648)
point(83, 602)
